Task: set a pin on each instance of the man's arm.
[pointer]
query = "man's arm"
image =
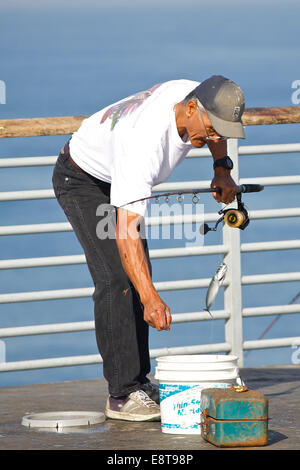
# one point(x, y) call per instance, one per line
point(222, 178)
point(132, 253)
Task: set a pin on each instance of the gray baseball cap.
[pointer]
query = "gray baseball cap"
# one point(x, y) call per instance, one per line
point(224, 103)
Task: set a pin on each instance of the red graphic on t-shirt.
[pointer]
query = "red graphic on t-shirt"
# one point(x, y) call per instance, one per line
point(127, 106)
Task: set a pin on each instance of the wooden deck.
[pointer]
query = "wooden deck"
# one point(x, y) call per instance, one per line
point(281, 384)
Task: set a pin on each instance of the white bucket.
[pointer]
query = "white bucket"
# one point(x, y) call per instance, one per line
point(181, 379)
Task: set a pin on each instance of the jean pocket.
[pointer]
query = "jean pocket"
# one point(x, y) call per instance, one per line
point(60, 180)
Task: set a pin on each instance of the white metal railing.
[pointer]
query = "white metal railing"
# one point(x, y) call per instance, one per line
point(49, 193)
point(232, 248)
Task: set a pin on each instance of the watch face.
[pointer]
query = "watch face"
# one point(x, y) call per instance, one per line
point(229, 163)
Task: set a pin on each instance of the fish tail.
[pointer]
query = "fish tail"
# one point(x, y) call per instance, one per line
point(206, 310)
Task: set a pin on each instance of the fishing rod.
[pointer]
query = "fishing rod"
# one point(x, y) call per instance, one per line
point(243, 188)
point(236, 218)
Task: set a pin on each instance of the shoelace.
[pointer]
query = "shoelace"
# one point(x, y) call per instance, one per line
point(143, 398)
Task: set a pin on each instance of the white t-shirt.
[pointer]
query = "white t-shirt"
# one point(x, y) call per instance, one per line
point(134, 143)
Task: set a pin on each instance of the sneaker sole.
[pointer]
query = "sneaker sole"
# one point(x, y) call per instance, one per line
point(129, 417)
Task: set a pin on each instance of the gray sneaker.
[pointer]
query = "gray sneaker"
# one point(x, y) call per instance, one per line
point(136, 407)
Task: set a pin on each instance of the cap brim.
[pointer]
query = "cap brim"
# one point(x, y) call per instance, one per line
point(233, 130)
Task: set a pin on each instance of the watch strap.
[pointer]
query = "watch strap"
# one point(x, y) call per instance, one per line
point(224, 162)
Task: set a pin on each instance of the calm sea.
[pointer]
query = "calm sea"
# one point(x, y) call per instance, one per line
point(73, 58)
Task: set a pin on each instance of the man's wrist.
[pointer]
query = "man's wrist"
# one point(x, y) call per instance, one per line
point(148, 294)
point(220, 171)
point(224, 162)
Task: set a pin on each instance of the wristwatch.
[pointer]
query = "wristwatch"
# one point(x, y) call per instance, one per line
point(225, 162)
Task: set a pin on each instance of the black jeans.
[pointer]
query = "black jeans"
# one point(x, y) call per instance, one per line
point(121, 332)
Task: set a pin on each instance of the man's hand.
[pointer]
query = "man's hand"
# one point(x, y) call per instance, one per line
point(157, 313)
point(223, 180)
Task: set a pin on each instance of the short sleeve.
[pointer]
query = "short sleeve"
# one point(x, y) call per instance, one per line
point(132, 177)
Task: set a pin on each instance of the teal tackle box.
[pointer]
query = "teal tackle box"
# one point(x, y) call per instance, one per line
point(234, 417)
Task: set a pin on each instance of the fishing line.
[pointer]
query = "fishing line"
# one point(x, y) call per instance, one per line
point(274, 321)
point(277, 317)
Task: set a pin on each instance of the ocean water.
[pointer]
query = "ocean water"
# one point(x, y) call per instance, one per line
point(73, 58)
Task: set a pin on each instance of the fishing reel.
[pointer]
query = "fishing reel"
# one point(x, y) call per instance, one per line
point(234, 218)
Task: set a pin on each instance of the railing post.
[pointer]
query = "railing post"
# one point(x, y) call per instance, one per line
point(233, 292)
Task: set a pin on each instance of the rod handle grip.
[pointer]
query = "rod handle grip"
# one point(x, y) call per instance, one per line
point(250, 188)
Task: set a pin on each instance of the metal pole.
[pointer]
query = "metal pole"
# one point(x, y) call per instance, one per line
point(233, 292)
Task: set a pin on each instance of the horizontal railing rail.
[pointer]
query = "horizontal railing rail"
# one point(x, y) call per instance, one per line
point(67, 125)
point(21, 162)
point(186, 284)
point(96, 359)
point(26, 195)
point(164, 220)
point(154, 254)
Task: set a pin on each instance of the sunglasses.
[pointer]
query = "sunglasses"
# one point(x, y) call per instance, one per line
point(214, 136)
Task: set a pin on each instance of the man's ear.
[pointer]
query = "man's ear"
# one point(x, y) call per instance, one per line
point(191, 108)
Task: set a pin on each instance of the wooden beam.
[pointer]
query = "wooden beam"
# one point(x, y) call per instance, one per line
point(40, 126)
point(68, 124)
point(267, 116)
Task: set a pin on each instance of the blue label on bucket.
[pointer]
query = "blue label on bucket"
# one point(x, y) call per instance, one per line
point(179, 426)
point(166, 390)
point(180, 406)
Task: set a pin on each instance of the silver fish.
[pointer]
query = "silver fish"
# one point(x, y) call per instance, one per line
point(214, 286)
